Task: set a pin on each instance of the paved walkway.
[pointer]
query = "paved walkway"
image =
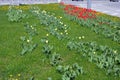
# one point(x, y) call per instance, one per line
point(104, 6)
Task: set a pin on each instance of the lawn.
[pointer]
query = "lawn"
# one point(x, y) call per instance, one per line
point(36, 63)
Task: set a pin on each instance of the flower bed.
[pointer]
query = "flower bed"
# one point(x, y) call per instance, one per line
point(48, 46)
point(90, 19)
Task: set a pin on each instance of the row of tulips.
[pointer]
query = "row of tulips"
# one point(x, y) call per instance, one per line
point(103, 56)
point(53, 24)
point(91, 19)
point(78, 12)
point(56, 28)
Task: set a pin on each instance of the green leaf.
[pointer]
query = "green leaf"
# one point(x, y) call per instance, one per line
point(24, 51)
point(32, 78)
point(23, 38)
point(49, 78)
point(59, 68)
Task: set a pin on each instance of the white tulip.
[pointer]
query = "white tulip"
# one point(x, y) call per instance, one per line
point(55, 29)
point(115, 51)
point(28, 40)
point(79, 37)
point(61, 33)
point(47, 34)
point(65, 30)
point(83, 37)
point(46, 41)
point(60, 17)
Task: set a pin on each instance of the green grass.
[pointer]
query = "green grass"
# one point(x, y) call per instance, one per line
point(31, 64)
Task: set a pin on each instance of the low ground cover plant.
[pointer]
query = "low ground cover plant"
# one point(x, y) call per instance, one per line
point(15, 15)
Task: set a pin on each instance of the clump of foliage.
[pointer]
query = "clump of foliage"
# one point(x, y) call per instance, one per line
point(104, 57)
point(47, 50)
point(70, 72)
point(56, 59)
point(53, 24)
point(27, 45)
point(30, 30)
point(15, 15)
